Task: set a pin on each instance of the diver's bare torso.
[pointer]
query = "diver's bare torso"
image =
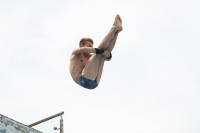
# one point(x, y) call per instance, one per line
point(77, 64)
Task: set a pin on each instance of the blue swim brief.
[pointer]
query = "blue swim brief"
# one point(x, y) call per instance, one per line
point(87, 83)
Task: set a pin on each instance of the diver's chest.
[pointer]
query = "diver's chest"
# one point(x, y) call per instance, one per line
point(84, 60)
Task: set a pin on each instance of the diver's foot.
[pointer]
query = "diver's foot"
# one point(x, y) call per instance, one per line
point(118, 23)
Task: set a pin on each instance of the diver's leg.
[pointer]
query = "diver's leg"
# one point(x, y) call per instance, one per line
point(117, 26)
point(90, 70)
point(112, 43)
point(100, 70)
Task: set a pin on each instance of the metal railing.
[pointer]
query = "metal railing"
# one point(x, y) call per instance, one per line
point(49, 118)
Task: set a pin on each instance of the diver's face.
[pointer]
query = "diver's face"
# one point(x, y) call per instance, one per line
point(87, 44)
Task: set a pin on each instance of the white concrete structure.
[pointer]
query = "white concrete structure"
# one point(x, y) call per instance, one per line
point(8, 125)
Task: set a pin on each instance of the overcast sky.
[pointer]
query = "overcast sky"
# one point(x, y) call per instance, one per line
point(152, 84)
